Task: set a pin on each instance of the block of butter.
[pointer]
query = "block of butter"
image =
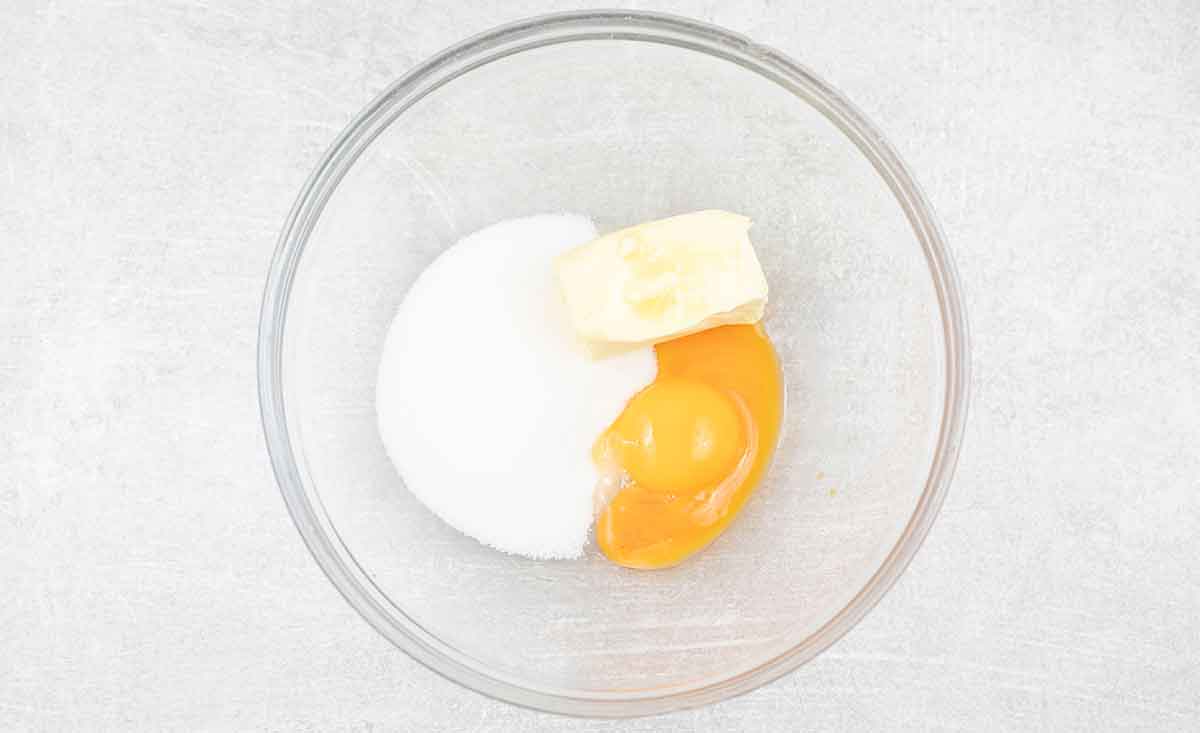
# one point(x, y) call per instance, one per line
point(662, 279)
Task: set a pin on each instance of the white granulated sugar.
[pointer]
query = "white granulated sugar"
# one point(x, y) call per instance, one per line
point(487, 404)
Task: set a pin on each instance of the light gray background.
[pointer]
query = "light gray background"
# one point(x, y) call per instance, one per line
point(150, 578)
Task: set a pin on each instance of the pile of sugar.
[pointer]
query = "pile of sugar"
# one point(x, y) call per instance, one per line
point(487, 405)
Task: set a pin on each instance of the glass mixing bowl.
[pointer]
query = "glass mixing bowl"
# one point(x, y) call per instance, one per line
point(625, 117)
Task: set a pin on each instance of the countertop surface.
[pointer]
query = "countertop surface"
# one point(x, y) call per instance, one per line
point(152, 579)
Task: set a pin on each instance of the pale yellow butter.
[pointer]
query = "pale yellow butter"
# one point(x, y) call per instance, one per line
point(661, 280)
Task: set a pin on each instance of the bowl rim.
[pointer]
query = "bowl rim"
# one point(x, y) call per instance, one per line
point(303, 502)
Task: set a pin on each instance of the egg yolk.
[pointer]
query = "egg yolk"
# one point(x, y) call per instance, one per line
point(676, 433)
point(692, 446)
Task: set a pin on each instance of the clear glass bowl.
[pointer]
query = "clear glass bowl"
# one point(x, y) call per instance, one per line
point(625, 117)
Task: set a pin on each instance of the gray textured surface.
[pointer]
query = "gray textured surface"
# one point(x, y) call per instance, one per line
point(152, 580)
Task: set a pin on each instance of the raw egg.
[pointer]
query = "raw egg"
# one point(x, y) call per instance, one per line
point(690, 447)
